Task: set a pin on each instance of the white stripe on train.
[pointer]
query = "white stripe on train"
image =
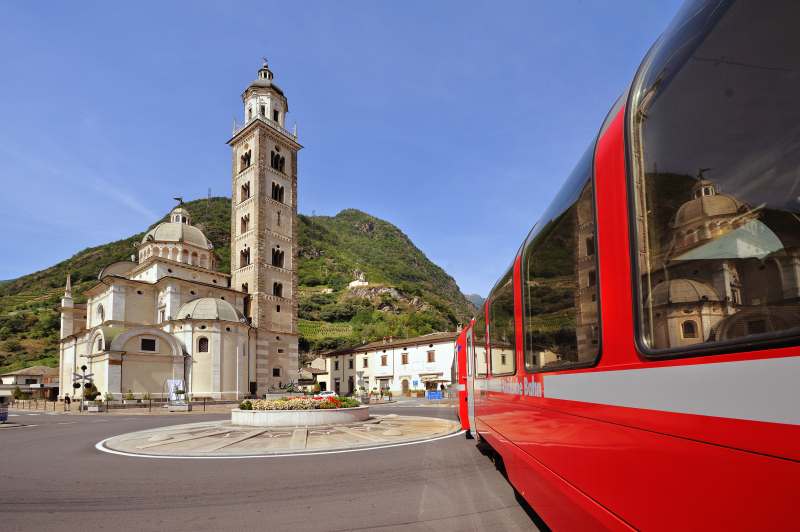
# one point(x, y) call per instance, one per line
point(755, 390)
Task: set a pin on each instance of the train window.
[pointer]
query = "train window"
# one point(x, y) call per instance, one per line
point(714, 153)
point(560, 281)
point(501, 327)
point(479, 330)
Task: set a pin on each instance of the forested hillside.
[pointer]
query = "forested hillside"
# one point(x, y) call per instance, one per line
point(407, 294)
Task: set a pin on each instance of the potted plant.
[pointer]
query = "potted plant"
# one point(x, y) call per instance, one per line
point(95, 405)
point(128, 398)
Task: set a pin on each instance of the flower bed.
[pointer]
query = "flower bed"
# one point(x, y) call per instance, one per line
point(299, 412)
point(300, 403)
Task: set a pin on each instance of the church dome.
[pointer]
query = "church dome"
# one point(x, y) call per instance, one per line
point(706, 203)
point(209, 308)
point(681, 291)
point(264, 80)
point(178, 232)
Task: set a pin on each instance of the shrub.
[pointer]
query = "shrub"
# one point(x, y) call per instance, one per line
point(91, 393)
point(246, 405)
point(146, 396)
point(18, 393)
point(129, 396)
point(109, 397)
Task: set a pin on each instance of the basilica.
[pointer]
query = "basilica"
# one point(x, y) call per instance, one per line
point(167, 319)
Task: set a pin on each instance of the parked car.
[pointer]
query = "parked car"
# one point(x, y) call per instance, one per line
point(325, 394)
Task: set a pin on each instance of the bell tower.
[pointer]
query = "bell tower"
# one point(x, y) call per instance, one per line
point(264, 228)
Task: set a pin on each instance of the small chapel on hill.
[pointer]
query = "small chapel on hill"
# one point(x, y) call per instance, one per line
point(169, 316)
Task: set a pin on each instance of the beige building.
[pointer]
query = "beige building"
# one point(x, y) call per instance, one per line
point(399, 365)
point(170, 316)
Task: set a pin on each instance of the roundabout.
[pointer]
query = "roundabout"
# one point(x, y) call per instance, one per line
point(222, 439)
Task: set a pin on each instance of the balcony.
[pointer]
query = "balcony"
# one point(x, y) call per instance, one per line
point(274, 125)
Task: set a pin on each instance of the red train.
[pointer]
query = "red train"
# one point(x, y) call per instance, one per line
point(637, 367)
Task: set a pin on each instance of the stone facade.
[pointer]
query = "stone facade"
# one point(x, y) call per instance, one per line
point(171, 316)
point(264, 229)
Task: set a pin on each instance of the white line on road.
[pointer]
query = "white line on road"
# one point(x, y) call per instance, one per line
point(100, 446)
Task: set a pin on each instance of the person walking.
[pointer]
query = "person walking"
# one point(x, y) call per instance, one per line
point(67, 403)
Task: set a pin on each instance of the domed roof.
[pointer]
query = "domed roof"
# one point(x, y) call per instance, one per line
point(178, 232)
point(209, 308)
point(681, 291)
point(121, 268)
point(706, 203)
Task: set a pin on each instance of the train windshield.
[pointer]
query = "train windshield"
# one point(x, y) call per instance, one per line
point(714, 126)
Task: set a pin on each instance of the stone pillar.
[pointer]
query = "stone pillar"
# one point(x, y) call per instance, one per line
point(172, 301)
point(116, 303)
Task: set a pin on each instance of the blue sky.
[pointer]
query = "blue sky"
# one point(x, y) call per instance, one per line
point(456, 121)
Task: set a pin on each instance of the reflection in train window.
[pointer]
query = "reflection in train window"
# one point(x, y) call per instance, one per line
point(479, 330)
point(715, 156)
point(501, 327)
point(559, 272)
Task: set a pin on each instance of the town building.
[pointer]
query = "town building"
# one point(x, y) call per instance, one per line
point(399, 365)
point(167, 318)
point(37, 381)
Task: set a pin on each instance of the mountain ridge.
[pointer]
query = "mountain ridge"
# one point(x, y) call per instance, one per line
point(408, 294)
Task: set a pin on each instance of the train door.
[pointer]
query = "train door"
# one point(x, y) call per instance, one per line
point(470, 382)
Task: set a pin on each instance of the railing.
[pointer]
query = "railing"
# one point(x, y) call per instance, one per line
point(271, 123)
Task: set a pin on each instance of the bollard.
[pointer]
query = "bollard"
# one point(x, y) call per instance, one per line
point(204, 404)
point(150, 405)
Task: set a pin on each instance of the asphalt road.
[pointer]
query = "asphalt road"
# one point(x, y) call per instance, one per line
point(53, 478)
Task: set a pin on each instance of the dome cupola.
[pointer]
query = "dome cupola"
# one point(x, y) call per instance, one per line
point(178, 240)
point(209, 308)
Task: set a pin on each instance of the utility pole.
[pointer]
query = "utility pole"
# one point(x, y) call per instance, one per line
point(85, 382)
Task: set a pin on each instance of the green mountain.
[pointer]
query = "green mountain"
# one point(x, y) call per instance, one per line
point(407, 294)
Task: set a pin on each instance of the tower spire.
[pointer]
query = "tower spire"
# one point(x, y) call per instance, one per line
point(68, 288)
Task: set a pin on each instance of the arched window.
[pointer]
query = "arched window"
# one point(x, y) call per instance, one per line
point(281, 163)
point(244, 287)
point(277, 258)
point(245, 192)
point(244, 160)
point(277, 289)
point(101, 314)
point(244, 257)
point(202, 345)
point(99, 343)
point(689, 329)
point(195, 258)
point(279, 217)
point(245, 223)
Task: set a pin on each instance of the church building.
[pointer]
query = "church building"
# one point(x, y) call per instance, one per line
point(168, 316)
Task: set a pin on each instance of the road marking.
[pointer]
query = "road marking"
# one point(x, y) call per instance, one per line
point(299, 439)
point(13, 415)
point(100, 446)
point(185, 438)
point(66, 422)
point(231, 441)
point(356, 434)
